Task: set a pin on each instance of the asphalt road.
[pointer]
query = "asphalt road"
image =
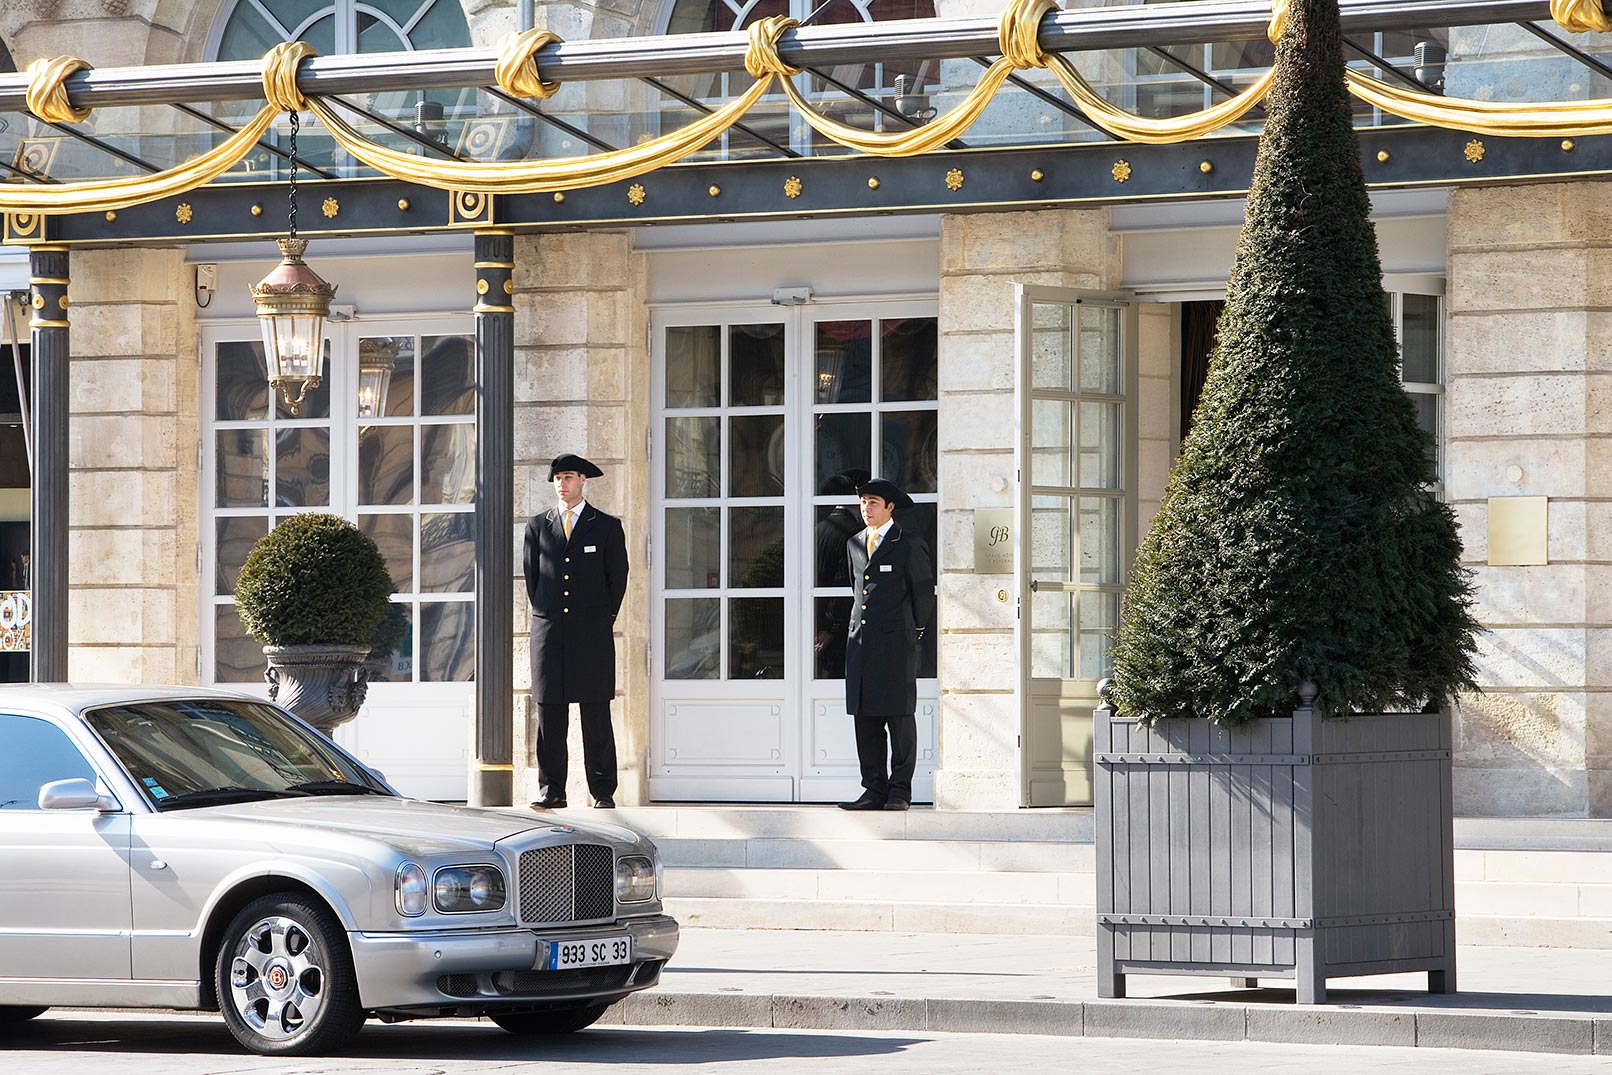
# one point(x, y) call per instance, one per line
point(82, 1043)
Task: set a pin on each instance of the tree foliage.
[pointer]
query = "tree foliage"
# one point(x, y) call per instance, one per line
point(315, 579)
point(1300, 537)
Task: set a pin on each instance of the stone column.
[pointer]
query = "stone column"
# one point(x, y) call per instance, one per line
point(492, 776)
point(582, 385)
point(135, 586)
point(49, 385)
point(982, 257)
point(1529, 413)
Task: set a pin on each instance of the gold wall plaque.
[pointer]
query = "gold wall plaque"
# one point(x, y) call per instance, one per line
point(1518, 534)
point(993, 541)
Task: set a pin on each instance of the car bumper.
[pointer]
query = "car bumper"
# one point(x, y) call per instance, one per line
point(460, 969)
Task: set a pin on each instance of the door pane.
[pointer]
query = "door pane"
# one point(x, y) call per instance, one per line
point(756, 638)
point(447, 642)
point(756, 365)
point(693, 548)
point(908, 359)
point(396, 352)
point(394, 534)
point(693, 366)
point(756, 547)
point(386, 465)
point(693, 638)
point(448, 375)
point(237, 656)
point(920, 520)
point(243, 468)
point(1052, 554)
point(1419, 338)
point(396, 665)
point(1099, 617)
point(1051, 362)
point(907, 449)
point(448, 464)
point(302, 468)
point(693, 457)
point(756, 455)
point(448, 553)
point(242, 391)
point(1100, 557)
point(1051, 435)
point(844, 362)
point(844, 446)
point(236, 536)
point(834, 528)
point(1101, 425)
point(1099, 350)
point(831, 618)
point(1052, 639)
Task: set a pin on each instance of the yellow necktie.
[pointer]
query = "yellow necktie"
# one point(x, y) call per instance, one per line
point(568, 514)
point(873, 542)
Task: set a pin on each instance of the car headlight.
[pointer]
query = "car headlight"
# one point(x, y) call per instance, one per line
point(469, 888)
point(409, 889)
point(635, 879)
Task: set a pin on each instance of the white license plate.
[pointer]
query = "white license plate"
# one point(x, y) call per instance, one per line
point(590, 952)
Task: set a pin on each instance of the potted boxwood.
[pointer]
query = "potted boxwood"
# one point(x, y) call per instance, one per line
point(313, 591)
point(1273, 755)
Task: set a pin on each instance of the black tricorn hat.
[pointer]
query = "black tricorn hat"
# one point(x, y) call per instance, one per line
point(576, 463)
point(887, 490)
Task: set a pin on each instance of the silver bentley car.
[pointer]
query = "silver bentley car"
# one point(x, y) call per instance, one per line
point(183, 848)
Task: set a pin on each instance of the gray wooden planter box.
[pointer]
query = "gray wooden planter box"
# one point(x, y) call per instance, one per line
point(1295, 848)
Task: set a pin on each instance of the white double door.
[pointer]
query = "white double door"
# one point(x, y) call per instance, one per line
point(765, 418)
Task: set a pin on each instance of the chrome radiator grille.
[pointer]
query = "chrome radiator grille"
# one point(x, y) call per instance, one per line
point(567, 883)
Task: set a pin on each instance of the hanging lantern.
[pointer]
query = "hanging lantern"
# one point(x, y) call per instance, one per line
point(377, 357)
point(292, 304)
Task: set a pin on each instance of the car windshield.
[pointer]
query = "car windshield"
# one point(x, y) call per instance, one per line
point(204, 752)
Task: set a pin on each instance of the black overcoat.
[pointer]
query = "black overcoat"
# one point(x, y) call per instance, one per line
point(576, 588)
point(892, 596)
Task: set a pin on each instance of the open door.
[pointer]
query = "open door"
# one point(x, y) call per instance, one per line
point(1075, 516)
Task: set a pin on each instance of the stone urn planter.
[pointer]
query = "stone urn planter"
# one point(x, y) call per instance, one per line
point(324, 685)
point(315, 591)
point(1300, 848)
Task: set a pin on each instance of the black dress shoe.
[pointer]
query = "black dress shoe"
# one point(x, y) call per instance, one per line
point(898, 804)
point(550, 803)
point(866, 802)
point(604, 804)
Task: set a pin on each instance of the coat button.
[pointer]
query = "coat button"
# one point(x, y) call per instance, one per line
point(566, 594)
point(565, 610)
point(864, 591)
point(568, 578)
point(567, 559)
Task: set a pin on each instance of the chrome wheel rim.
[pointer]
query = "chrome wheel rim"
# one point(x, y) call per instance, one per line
point(277, 978)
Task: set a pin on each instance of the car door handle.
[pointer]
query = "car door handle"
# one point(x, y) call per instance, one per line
point(158, 864)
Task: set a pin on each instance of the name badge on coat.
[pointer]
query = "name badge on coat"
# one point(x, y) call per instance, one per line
point(886, 567)
point(590, 548)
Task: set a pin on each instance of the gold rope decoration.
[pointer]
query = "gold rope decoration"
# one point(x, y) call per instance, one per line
point(1580, 16)
point(47, 89)
point(595, 169)
point(279, 86)
point(1020, 48)
point(1548, 120)
point(516, 71)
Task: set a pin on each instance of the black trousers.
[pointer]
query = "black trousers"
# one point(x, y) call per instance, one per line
point(903, 754)
point(598, 749)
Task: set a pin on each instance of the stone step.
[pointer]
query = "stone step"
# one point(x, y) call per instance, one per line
point(1535, 866)
point(881, 915)
point(910, 886)
point(1072, 825)
point(770, 852)
point(1550, 900)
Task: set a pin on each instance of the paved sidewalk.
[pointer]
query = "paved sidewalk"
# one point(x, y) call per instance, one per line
point(1533, 999)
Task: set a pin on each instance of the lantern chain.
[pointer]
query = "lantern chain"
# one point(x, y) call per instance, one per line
point(296, 121)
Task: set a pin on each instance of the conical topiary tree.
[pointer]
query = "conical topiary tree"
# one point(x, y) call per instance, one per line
point(1300, 538)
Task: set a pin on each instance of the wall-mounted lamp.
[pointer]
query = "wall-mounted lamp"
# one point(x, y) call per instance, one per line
point(1429, 70)
point(292, 304)
point(911, 101)
point(430, 121)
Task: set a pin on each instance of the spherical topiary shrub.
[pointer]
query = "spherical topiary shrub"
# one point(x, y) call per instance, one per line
point(313, 580)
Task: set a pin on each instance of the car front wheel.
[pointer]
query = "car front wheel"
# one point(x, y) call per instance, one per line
point(285, 978)
point(567, 1021)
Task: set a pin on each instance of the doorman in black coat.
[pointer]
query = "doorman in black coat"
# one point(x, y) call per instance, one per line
point(576, 578)
point(892, 599)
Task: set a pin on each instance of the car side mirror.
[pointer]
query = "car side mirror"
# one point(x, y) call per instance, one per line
point(76, 794)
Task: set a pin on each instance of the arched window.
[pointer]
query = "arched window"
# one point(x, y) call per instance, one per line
point(249, 28)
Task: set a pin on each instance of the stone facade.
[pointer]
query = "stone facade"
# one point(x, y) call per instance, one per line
point(582, 385)
point(983, 258)
point(1529, 379)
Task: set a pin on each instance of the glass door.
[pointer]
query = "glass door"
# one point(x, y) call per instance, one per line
point(766, 420)
point(1076, 513)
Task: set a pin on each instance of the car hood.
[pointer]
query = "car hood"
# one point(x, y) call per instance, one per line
point(411, 821)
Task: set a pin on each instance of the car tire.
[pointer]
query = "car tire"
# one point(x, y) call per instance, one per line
point(285, 978)
point(11, 1014)
point(564, 1021)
